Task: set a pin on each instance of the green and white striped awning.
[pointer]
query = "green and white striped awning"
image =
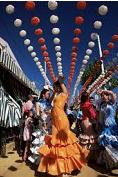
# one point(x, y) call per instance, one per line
point(8, 60)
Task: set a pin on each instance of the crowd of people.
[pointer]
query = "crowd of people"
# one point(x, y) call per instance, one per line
point(60, 139)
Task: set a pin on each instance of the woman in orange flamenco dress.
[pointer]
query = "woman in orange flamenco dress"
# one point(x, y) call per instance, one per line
point(61, 153)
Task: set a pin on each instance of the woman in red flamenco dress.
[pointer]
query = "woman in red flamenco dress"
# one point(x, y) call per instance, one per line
point(61, 153)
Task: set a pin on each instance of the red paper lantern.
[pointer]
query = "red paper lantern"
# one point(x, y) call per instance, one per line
point(73, 64)
point(43, 48)
point(73, 59)
point(47, 59)
point(115, 38)
point(41, 41)
point(106, 52)
point(74, 54)
point(30, 5)
point(79, 20)
point(72, 67)
point(111, 45)
point(45, 54)
point(38, 31)
point(76, 40)
point(35, 21)
point(77, 31)
point(74, 49)
point(81, 5)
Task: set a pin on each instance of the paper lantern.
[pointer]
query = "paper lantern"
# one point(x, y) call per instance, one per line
point(102, 10)
point(88, 51)
point(27, 42)
point(35, 21)
point(94, 36)
point(41, 41)
point(74, 54)
point(36, 59)
point(85, 61)
point(10, 9)
point(55, 31)
point(59, 59)
point(22, 33)
point(57, 48)
point(47, 59)
point(52, 5)
point(86, 57)
point(60, 67)
point(81, 5)
point(54, 19)
point(97, 24)
point(38, 63)
point(91, 44)
point(115, 38)
point(77, 31)
point(73, 64)
point(73, 59)
point(38, 31)
point(79, 20)
point(17, 23)
point(30, 5)
point(76, 40)
point(45, 54)
point(59, 64)
point(33, 54)
point(58, 54)
point(106, 52)
point(110, 45)
point(56, 40)
point(74, 49)
point(30, 48)
point(43, 48)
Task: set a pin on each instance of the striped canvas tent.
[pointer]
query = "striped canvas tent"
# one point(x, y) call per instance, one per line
point(10, 112)
point(8, 60)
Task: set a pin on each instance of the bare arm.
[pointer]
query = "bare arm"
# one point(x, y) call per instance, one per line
point(63, 87)
point(52, 97)
point(113, 96)
point(38, 110)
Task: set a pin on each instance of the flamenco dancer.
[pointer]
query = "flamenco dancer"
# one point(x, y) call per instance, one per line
point(108, 138)
point(61, 153)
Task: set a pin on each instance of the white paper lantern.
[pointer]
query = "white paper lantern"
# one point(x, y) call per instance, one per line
point(17, 23)
point(22, 33)
point(102, 10)
point(83, 66)
point(94, 36)
point(58, 54)
point(60, 67)
point(88, 51)
point(86, 57)
point(59, 64)
point(40, 66)
point(57, 48)
point(36, 59)
point(30, 48)
point(42, 70)
point(85, 61)
point(38, 63)
point(97, 24)
point(56, 40)
point(55, 31)
point(59, 59)
point(91, 44)
point(27, 42)
point(52, 5)
point(10, 9)
point(33, 54)
point(54, 19)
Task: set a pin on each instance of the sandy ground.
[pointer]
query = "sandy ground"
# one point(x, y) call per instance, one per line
point(12, 166)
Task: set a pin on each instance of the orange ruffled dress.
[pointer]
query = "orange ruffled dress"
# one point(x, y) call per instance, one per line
point(61, 153)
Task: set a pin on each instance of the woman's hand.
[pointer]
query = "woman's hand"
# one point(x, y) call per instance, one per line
point(61, 79)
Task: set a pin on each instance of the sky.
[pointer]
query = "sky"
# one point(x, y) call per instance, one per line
point(66, 12)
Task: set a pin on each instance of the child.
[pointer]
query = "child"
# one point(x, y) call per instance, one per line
point(27, 134)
